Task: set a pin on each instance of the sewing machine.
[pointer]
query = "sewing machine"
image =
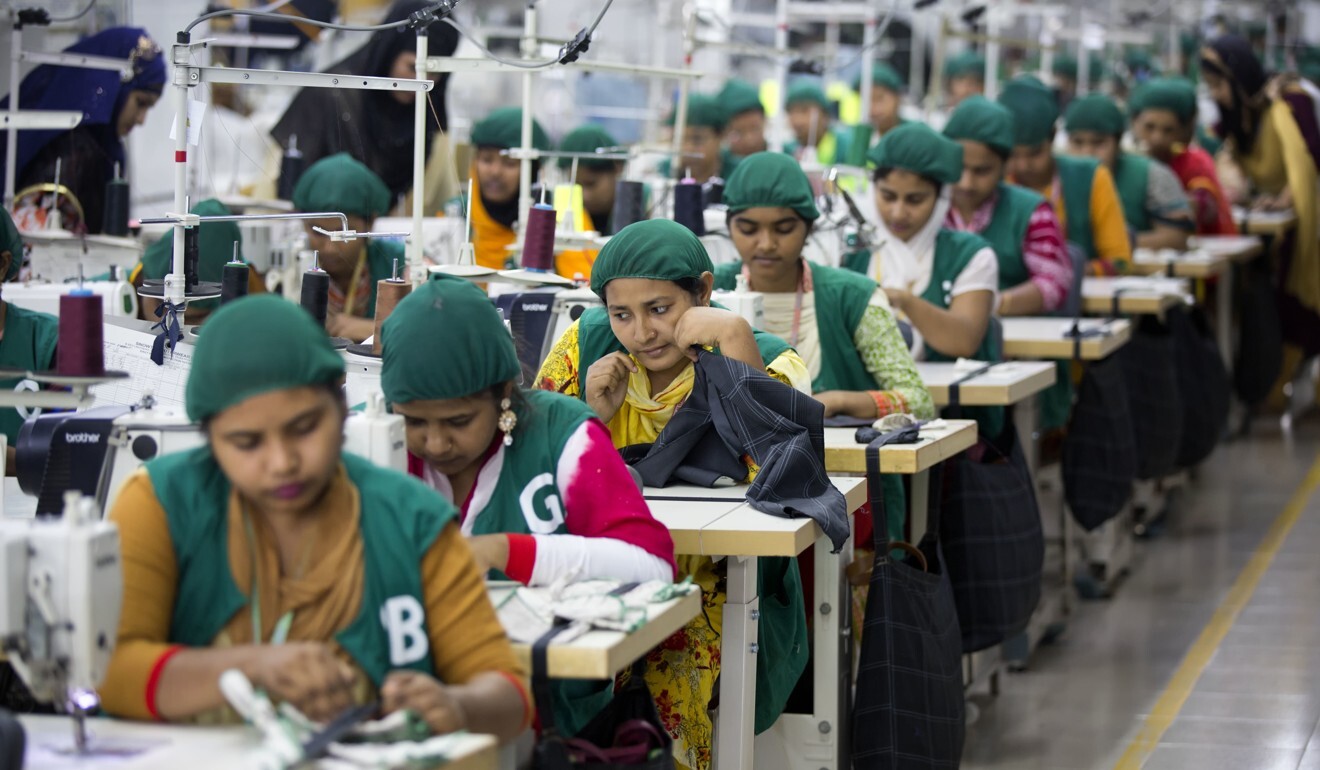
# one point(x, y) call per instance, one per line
point(58, 256)
point(118, 298)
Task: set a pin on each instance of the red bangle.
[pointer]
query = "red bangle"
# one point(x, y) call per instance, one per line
point(153, 679)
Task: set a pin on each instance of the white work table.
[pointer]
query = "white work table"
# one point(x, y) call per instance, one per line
point(1048, 337)
point(719, 522)
point(1274, 223)
point(1003, 384)
point(170, 747)
point(1136, 295)
point(600, 654)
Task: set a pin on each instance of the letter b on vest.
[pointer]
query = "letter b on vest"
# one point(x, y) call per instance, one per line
point(402, 617)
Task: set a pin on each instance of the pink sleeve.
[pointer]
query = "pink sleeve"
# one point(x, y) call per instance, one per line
point(1047, 258)
point(601, 498)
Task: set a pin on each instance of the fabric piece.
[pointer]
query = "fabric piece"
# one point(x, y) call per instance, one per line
point(588, 138)
point(1034, 108)
point(502, 129)
point(1095, 112)
point(980, 120)
point(28, 343)
point(11, 242)
point(917, 148)
point(255, 345)
point(770, 180)
point(705, 111)
point(417, 364)
point(465, 637)
point(739, 96)
point(341, 183)
point(658, 249)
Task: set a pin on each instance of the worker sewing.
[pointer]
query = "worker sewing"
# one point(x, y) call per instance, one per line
point(599, 180)
point(215, 241)
point(498, 176)
point(745, 134)
point(1080, 189)
point(88, 155)
point(27, 338)
point(704, 154)
point(341, 184)
point(964, 75)
point(1035, 273)
point(1154, 204)
point(542, 494)
point(886, 98)
point(1163, 114)
point(630, 361)
point(327, 580)
point(815, 140)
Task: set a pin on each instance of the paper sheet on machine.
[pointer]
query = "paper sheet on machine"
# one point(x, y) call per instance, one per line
point(128, 348)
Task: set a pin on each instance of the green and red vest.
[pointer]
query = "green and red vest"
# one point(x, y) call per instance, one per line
point(1007, 232)
point(405, 519)
point(1076, 180)
point(1132, 179)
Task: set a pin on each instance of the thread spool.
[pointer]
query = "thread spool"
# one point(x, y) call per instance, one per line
point(192, 256)
point(115, 221)
point(389, 293)
point(539, 239)
point(80, 351)
point(629, 205)
point(233, 282)
point(291, 168)
point(315, 297)
point(689, 210)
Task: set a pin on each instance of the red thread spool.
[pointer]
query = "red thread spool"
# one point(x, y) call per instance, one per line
point(389, 293)
point(539, 239)
point(81, 349)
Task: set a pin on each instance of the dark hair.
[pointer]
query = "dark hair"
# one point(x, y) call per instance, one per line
point(884, 171)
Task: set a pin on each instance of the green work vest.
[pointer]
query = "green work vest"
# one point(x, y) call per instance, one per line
point(29, 344)
point(832, 147)
point(1132, 178)
point(841, 300)
point(404, 521)
point(1007, 232)
point(1076, 179)
point(783, 626)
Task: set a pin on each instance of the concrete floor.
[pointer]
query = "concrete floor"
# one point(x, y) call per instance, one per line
point(1255, 705)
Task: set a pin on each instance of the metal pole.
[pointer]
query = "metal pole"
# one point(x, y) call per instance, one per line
point(684, 88)
point(1083, 62)
point(174, 282)
point(936, 93)
point(525, 172)
point(916, 59)
point(414, 271)
point(781, 74)
point(991, 53)
point(11, 146)
point(869, 29)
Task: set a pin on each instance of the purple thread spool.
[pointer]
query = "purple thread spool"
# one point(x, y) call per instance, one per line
point(81, 348)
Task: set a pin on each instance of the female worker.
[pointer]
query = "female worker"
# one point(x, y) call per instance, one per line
point(1154, 204)
point(326, 580)
point(887, 89)
point(376, 127)
point(630, 361)
point(216, 243)
point(599, 180)
point(704, 155)
point(27, 338)
point(943, 281)
point(814, 138)
point(340, 183)
point(1270, 131)
point(541, 491)
point(112, 105)
point(1163, 114)
point(498, 179)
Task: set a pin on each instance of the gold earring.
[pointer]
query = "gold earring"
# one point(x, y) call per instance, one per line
point(508, 421)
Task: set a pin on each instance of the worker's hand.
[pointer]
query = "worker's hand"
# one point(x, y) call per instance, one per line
point(349, 327)
point(851, 403)
point(490, 552)
point(708, 327)
point(898, 299)
point(607, 384)
point(1281, 202)
point(425, 696)
point(306, 675)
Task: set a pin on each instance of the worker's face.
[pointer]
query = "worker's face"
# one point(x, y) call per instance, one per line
point(452, 434)
point(336, 257)
point(1221, 90)
point(1094, 144)
point(6, 258)
point(1158, 131)
point(769, 240)
point(497, 175)
point(280, 449)
point(405, 66)
point(134, 111)
point(905, 201)
point(1032, 166)
point(705, 142)
point(598, 188)
point(962, 87)
point(983, 170)
point(807, 120)
point(644, 314)
point(746, 133)
point(1066, 84)
point(884, 108)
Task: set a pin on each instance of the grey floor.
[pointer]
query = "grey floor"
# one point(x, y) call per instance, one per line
point(1256, 705)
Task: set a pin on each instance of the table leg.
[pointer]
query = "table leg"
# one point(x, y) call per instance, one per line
point(1025, 413)
point(919, 506)
point(737, 717)
point(833, 650)
point(1224, 315)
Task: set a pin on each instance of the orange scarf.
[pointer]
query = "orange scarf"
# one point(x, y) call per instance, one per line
point(490, 239)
